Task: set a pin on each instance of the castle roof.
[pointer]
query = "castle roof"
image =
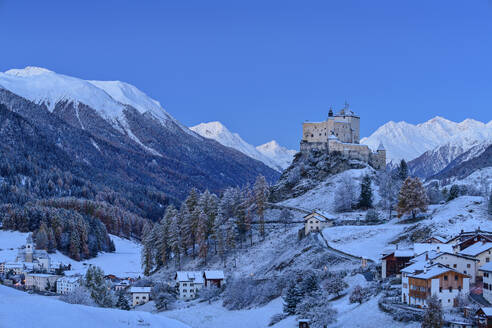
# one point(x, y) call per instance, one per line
point(381, 147)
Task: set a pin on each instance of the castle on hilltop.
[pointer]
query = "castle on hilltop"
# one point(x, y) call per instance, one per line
point(341, 133)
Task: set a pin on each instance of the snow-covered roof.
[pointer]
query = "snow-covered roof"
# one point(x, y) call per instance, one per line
point(12, 265)
point(486, 267)
point(433, 271)
point(317, 215)
point(70, 279)
point(185, 276)
point(420, 248)
point(440, 239)
point(140, 289)
point(487, 311)
point(214, 274)
point(416, 266)
point(42, 275)
point(404, 253)
point(476, 249)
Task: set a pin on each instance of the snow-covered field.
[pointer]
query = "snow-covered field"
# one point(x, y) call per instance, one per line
point(365, 241)
point(19, 309)
point(125, 262)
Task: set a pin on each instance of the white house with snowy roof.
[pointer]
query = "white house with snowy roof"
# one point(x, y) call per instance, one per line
point(315, 221)
point(433, 279)
point(67, 284)
point(140, 295)
point(482, 251)
point(188, 283)
point(486, 271)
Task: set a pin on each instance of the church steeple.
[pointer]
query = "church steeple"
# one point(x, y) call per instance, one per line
point(330, 112)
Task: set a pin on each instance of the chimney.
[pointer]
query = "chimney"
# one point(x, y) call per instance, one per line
point(427, 256)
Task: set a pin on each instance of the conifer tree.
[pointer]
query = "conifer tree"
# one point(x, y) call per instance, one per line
point(454, 192)
point(292, 298)
point(42, 237)
point(122, 302)
point(365, 199)
point(412, 197)
point(433, 315)
point(147, 248)
point(403, 170)
point(261, 192)
point(490, 204)
point(176, 240)
point(202, 236)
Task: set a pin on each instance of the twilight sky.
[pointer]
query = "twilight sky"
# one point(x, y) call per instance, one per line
point(264, 67)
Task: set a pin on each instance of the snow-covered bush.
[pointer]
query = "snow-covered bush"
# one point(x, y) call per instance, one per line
point(276, 318)
point(246, 292)
point(335, 285)
point(345, 195)
point(317, 308)
point(163, 295)
point(80, 295)
point(209, 294)
point(361, 295)
point(372, 217)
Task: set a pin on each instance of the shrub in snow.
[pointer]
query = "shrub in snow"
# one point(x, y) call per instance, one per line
point(209, 294)
point(372, 216)
point(246, 292)
point(335, 285)
point(276, 318)
point(80, 295)
point(454, 192)
point(163, 295)
point(99, 289)
point(123, 302)
point(361, 295)
point(433, 315)
point(316, 308)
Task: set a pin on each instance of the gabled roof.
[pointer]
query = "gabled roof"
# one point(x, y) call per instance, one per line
point(420, 248)
point(415, 267)
point(214, 274)
point(140, 289)
point(317, 215)
point(70, 279)
point(189, 276)
point(476, 249)
point(486, 310)
point(440, 239)
point(434, 271)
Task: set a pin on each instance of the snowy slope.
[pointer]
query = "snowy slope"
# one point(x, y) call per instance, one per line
point(278, 154)
point(270, 154)
point(124, 262)
point(20, 309)
point(403, 140)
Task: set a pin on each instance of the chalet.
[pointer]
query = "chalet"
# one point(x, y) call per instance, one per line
point(461, 263)
point(466, 239)
point(484, 317)
point(486, 271)
point(316, 222)
point(481, 251)
point(188, 283)
point(392, 263)
point(420, 248)
point(140, 295)
point(435, 279)
point(41, 281)
point(215, 278)
point(66, 285)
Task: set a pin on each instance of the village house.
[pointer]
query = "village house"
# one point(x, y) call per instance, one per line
point(486, 271)
point(484, 317)
point(140, 295)
point(393, 262)
point(14, 267)
point(461, 263)
point(434, 240)
point(189, 283)
point(41, 281)
point(482, 251)
point(316, 222)
point(467, 238)
point(435, 279)
point(213, 278)
point(66, 285)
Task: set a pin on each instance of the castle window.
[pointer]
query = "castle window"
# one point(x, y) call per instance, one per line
point(312, 135)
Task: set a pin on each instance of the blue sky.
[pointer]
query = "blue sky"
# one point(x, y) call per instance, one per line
point(264, 67)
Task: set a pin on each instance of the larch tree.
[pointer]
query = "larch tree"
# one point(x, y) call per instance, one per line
point(388, 189)
point(412, 197)
point(147, 249)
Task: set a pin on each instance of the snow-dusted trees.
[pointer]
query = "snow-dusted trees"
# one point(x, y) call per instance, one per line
point(286, 217)
point(433, 315)
point(292, 298)
point(389, 186)
point(123, 303)
point(163, 295)
point(98, 288)
point(357, 295)
point(335, 285)
point(490, 204)
point(454, 192)
point(412, 197)
point(317, 309)
point(80, 295)
point(147, 256)
point(402, 172)
point(365, 198)
point(261, 193)
point(345, 195)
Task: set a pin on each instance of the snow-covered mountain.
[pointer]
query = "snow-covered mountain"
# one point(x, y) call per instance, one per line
point(280, 155)
point(403, 140)
point(119, 132)
point(272, 154)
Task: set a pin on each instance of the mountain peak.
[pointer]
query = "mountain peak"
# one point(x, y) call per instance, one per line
point(270, 145)
point(28, 71)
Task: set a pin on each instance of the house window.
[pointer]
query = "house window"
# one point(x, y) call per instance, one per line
point(184, 290)
point(185, 284)
point(450, 289)
point(485, 285)
point(143, 297)
point(454, 266)
point(136, 297)
point(455, 277)
point(446, 278)
point(440, 289)
point(468, 265)
point(487, 259)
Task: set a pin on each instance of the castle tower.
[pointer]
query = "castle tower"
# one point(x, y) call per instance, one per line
point(330, 112)
point(381, 155)
point(29, 248)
